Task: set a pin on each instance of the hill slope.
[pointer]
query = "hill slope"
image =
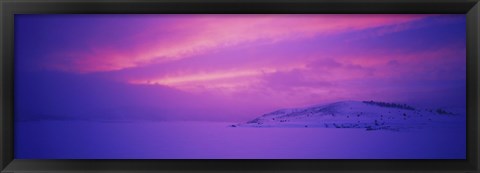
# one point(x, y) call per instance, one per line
point(369, 115)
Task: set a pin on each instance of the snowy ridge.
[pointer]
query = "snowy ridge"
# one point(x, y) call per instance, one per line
point(369, 115)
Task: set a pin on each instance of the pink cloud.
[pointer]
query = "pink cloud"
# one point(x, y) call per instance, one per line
point(318, 72)
point(189, 35)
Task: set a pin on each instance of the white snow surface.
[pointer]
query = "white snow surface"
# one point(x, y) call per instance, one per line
point(358, 114)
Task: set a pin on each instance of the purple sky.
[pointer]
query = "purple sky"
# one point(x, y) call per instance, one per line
point(231, 67)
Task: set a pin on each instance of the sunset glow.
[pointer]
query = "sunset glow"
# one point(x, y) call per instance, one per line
point(186, 36)
point(244, 62)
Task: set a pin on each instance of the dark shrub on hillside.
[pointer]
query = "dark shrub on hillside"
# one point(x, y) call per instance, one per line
point(390, 105)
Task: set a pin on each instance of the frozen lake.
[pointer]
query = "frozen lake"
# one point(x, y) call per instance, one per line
point(212, 140)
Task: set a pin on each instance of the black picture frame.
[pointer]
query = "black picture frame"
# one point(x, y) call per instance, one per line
point(9, 8)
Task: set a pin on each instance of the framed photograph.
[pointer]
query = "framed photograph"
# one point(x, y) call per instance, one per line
point(239, 86)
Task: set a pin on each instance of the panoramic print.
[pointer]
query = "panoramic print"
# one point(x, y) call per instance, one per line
point(240, 86)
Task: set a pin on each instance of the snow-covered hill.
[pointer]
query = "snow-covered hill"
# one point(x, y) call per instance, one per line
point(369, 115)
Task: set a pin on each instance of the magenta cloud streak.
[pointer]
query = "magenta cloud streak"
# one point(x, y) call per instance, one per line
point(184, 36)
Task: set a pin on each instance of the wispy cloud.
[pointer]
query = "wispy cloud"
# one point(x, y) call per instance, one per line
point(190, 35)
